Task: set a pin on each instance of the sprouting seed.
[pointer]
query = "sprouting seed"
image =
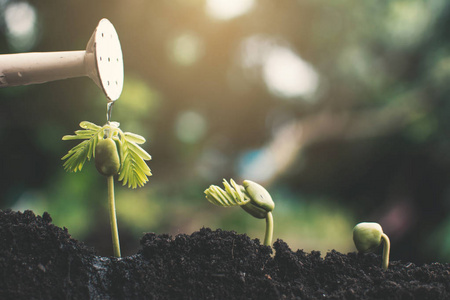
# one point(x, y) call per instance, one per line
point(115, 153)
point(368, 236)
point(251, 196)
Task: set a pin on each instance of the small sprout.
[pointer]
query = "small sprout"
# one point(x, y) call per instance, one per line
point(115, 153)
point(368, 236)
point(133, 169)
point(252, 197)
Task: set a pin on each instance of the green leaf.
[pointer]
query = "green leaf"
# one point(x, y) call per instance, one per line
point(132, 137)
point(138, 150)
point(231, 196)
point(73, 137)
point(76, 157)
point(89, 125)
point(134, 170)
point(92, 145)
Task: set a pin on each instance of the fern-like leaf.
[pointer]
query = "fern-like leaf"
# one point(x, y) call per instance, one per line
point(76, 157)
point(231, 196)
point(134, 170)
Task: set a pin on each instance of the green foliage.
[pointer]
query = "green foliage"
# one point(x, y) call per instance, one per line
point(231, 196)
point(133, 169)
point(76, 157)
point(250, 194)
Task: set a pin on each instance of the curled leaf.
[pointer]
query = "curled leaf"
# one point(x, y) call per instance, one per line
point(228, 197)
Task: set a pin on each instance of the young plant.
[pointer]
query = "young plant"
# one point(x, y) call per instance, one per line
point(115, 153)
point(252, 197)
point(368, 236)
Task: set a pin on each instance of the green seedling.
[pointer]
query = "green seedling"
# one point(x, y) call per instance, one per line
point(252, 197)
point(368, 236)
point(115, 153)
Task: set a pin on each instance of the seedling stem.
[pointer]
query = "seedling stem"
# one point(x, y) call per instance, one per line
point(113, 217)
point(269, 229)
point(386, 250)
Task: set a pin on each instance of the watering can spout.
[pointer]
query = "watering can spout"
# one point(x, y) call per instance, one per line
point(101, 61)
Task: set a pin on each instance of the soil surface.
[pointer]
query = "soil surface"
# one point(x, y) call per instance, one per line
point(41, 261)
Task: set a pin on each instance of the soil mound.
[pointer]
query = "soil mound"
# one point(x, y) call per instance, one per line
point(41, 261)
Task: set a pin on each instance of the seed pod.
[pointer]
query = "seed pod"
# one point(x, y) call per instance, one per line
point(259, 195)
point(367, 236)
point(107, 159)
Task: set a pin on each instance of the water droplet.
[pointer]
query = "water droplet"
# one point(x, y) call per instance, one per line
point(109, 106)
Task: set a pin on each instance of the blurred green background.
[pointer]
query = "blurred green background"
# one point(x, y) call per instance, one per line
point(339, 108)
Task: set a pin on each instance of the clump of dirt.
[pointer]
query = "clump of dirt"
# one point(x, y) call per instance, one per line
point(41, 261)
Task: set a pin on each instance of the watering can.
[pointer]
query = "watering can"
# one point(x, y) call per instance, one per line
point(101, 61)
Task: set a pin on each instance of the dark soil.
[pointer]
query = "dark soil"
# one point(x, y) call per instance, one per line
point(41, 261)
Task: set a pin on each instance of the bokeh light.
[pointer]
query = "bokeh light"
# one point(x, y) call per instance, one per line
point(190, 127)
point(287, 75)
point(21, 25)
point(186, 49)
point(228, 9)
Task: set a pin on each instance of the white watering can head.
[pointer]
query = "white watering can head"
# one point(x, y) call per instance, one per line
point(102, 61)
